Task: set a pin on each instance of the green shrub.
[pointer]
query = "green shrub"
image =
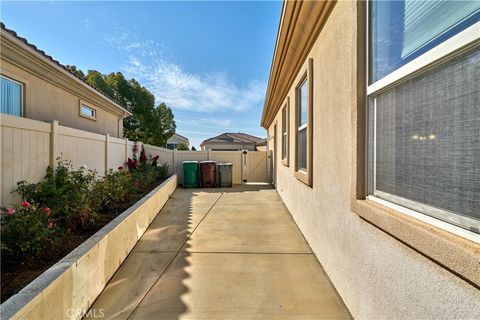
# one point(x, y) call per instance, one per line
point(112, 189)
point(28, 232)
point(67, 192)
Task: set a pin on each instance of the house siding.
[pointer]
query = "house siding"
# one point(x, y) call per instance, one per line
point(45, 101)
point(377, 276)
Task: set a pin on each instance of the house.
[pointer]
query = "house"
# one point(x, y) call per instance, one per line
point(175, 140)
point(374, 135)
point(231, 141)
point(36, 86)
point(262, 145)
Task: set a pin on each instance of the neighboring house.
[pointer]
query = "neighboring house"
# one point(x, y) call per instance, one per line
point(35, 86)
point(231, 141)
point(382, 175)
point(175, 140)
point(262, 145)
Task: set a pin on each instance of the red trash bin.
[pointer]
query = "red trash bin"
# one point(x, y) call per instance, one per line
point(208, 174)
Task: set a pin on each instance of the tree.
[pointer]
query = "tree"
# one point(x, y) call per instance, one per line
point(182, 146)
point(149, 124)
point(97, 80)
point(193, 148)
point(77, 72)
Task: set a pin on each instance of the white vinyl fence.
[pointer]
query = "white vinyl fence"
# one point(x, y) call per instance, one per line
point(28, 146)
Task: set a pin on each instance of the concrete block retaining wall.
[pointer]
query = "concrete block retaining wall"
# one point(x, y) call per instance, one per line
point(68, 289)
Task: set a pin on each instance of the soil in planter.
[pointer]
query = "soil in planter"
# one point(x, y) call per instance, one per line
point(15, 277)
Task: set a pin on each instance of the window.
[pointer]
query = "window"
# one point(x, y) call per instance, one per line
point(303, 127)
point(171, 146)
point(285, 126)
point(87, 111)
point(423, 108)
point(11, 97)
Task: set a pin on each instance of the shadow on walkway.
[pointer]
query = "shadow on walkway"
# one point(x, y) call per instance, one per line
point(221, 254)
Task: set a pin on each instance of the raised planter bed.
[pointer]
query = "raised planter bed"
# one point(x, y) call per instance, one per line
point(69, 288)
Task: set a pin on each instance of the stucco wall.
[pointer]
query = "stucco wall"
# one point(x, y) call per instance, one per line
point(377, 276)
point(44, 101)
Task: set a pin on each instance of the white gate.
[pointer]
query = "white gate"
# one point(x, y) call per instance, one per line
point(255, 166)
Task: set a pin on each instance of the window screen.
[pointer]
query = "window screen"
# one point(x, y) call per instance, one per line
point(11, 97)
point(87, 111)
point(302, 126)
point(402, 30)
point(425, 142)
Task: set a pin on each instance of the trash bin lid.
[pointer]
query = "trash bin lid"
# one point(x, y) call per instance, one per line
point(208, 161)
point(191, 161)
point(226, 164)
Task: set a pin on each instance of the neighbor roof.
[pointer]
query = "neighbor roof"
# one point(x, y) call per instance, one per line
point(229, 137)
point(58, 64)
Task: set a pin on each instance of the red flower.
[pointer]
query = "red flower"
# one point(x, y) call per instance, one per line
point(46, 210)
point(11, 211)
point(132, 164)
point(143, 156)
point(26, 204)
point(50, 224)
point(155, 158)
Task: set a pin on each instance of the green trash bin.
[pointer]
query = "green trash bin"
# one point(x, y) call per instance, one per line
point(190, 174)
point(225, 174)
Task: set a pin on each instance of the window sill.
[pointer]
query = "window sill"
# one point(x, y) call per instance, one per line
point(453, 252)
point(87, 117)
point(303, 177)
point(285, 162)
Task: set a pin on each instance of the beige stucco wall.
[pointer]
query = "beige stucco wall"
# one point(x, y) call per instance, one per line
point(45, 101)
point(377, 276)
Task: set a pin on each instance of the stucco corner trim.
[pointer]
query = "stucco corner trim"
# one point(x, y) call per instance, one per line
point(452, 252)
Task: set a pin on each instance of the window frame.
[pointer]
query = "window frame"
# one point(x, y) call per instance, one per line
point(22, 93)
point(458, 44)
point(305, 176)
point(454, 252)
point(85, 104)
point(286, 133)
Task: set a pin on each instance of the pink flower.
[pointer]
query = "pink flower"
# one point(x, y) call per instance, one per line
point(26, 204)
point(50, 224)
point(46, 210)
point(11, 211)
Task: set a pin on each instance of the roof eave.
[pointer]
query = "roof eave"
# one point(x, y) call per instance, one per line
point(300, 24)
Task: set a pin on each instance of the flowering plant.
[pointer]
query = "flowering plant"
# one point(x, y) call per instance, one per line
point(28, 231)
point(143, 157)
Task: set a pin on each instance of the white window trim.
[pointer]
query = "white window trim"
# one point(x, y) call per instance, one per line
point(87, 105)
point(446, 50)
point(22, 94)
point(428, 219)
point(442, 51)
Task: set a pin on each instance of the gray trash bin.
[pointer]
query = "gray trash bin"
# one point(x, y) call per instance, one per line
point(224, 172)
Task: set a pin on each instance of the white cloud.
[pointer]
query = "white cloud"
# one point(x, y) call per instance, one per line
point(178, 88)
point(86, 23)
point(208, 92)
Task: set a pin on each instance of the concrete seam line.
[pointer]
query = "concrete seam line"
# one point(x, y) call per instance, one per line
point(173, 258)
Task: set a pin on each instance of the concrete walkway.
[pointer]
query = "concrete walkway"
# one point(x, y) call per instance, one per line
point(221, 254)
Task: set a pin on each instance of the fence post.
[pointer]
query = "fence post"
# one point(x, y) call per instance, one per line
point(126, 149)
point(54, 144)
point(173, 161)
point(107, 150)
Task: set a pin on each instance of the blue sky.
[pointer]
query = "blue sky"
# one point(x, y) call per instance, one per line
point(209, 61)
